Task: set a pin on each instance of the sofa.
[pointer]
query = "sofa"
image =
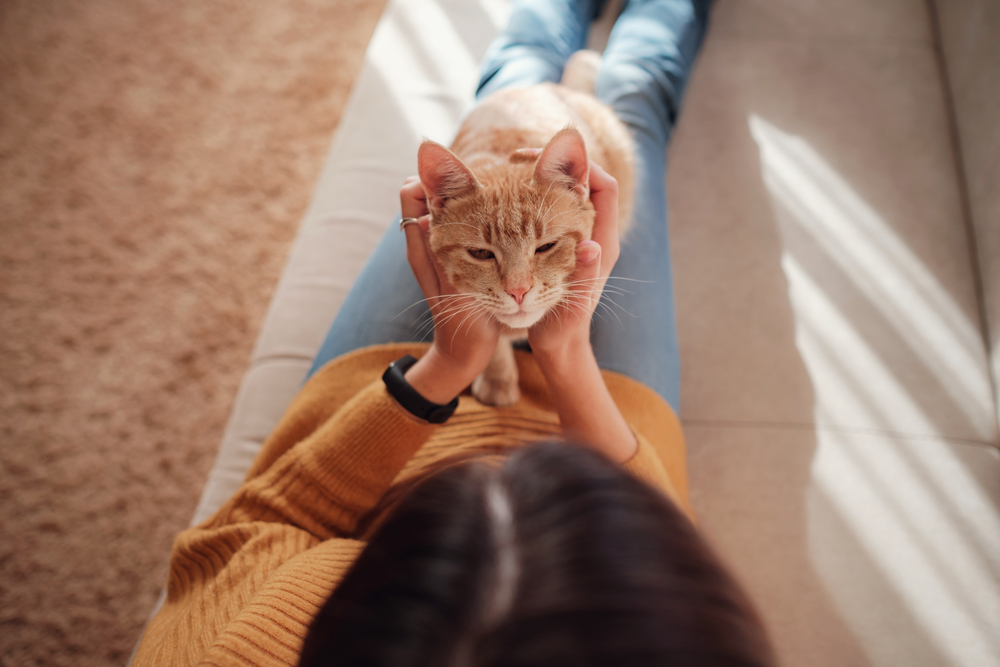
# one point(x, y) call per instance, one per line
point(835, 229)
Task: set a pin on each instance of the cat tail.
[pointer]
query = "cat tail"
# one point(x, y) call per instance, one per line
point(580, 73)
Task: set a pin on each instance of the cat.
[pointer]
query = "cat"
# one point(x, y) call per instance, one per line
point(505, 222)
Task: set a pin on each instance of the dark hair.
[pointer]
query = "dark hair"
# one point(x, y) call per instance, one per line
point(554, 557)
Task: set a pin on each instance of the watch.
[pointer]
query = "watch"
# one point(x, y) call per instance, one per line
point(410, 398)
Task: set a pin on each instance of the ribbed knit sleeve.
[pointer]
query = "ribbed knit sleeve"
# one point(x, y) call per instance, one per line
point(244, 585)
point(329, 480)
point(647, 466)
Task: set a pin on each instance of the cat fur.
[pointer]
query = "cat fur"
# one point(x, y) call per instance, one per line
point(487, 196)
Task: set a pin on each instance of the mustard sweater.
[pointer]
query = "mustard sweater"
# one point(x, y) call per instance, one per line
point(245, 585)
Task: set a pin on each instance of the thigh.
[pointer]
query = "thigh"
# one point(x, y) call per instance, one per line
point(642, 76)
point(539, 38)
point(634, 330)
point(385, 304)
point(647, 63)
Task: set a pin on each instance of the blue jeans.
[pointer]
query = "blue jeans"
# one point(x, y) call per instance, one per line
point(642, 76)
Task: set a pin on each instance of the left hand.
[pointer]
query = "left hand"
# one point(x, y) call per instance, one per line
point(567, 326)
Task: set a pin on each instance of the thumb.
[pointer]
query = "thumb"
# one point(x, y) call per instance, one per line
point(587, 254)
point(588, 267)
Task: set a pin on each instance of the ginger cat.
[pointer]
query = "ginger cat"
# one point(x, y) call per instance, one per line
point(504, 223)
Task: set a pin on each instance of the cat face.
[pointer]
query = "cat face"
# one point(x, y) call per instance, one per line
point(508, 234)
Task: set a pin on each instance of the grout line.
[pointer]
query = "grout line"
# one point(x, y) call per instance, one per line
point(825, 39)
point(963, 186)
point(855, 430)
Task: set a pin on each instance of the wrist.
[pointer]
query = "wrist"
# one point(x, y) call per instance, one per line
point(565, 358)
point(438, 377)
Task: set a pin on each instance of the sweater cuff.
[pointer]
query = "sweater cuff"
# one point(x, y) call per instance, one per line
point(647, 467)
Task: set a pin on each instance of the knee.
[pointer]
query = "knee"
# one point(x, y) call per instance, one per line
point(521, 65)
point(644, 96)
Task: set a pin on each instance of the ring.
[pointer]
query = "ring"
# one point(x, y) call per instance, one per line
point(408, 221)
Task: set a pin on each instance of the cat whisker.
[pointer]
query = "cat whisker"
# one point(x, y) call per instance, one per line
point(460, 310)
point(633, 280)
point(606, 289)
point(556, 216)
point(608, 309)
point(464, 224)
point(542, 202)
point(608, 303)
point(427, 300)
point(449, 311)
point(564, 193)
point(578, 312)
point(452, 315)
point(475, 313)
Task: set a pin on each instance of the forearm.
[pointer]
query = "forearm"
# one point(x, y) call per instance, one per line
point(329, 480)
point(585, 407)
point(440, 378)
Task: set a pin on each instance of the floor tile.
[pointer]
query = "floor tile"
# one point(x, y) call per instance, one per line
point(970, 36)
point(859, 549)
point(822, 268)
point(883, 22)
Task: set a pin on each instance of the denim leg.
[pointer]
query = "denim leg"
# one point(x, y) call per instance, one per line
point(642, 76)
point(385, 304)
point(539, 38)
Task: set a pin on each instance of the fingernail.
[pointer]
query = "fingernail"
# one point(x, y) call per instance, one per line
point(587, 252)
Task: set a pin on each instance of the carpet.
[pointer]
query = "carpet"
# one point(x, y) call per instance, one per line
point(155, 159)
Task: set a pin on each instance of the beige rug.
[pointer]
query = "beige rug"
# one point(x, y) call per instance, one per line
point(155, 159)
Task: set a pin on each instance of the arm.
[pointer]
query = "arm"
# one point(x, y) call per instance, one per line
point(561, 341)
point(330, 479)
point(585, 407)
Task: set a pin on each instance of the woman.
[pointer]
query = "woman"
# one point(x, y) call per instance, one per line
point(397, 525)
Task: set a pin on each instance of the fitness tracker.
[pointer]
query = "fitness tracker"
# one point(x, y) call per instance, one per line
point(410, 398)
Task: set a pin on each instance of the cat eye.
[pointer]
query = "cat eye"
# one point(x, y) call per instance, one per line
point(544, 248)
point(481, 253)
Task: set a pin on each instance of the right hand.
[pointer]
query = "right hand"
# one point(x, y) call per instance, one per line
point(464, 335)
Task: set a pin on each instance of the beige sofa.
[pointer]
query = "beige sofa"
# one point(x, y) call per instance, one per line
point(837, 395)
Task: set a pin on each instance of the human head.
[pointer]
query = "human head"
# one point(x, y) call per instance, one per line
point(554, 556)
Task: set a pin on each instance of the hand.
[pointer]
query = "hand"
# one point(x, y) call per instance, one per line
point(561, 341)
point(464, 337)
point(567, 326)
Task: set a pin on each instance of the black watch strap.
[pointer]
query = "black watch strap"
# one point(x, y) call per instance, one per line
point(410, 398)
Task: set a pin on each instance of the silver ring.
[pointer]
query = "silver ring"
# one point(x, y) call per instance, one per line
point(408, 221)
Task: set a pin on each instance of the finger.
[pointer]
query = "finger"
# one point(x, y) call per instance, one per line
point(588, 269)
point(420, 261)
point(586, 253)
point(444, 286)
point(604, 195)
point(412, 198)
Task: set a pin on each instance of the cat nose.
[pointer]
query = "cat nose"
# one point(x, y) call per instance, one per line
point(518, 293)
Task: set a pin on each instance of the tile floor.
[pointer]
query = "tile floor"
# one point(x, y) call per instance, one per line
point(836, 396)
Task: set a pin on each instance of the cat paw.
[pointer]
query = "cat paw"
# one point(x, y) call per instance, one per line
point(499, 393)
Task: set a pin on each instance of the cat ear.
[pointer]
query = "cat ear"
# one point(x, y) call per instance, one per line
point(443, 175)
point(564, 162)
